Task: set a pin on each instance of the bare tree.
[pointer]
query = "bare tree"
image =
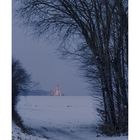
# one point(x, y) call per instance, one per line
point(20, 82)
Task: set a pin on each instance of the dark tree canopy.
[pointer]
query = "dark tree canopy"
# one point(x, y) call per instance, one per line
point(20, 82)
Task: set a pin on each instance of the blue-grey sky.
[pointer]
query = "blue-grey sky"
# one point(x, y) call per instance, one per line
point(41, 60)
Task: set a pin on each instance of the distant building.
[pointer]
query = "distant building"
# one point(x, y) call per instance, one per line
point(56, 91)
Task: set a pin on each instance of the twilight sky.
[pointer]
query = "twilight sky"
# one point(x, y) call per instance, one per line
point(41, 60)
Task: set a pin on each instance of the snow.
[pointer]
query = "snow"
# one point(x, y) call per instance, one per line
point(17, 134)
point(61, 117)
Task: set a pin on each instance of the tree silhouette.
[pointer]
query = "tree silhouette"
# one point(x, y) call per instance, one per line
point(20, 82)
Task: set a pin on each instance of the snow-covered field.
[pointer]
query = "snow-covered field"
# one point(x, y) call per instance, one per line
point(61, 117)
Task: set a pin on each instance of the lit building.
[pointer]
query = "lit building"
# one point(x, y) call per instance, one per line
point(56, 91)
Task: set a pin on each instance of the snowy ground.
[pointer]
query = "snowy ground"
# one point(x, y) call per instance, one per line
point(61, 118)
point(17, 134)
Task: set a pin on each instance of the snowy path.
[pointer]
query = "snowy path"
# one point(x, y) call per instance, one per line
point(66, 133)
point(61, 118)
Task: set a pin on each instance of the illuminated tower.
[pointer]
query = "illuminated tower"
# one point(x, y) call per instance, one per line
point(56, 91)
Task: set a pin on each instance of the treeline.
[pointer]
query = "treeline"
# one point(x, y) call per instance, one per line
point(20, 83)
point(102, 28)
